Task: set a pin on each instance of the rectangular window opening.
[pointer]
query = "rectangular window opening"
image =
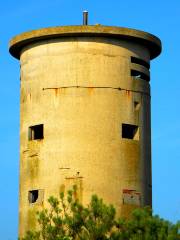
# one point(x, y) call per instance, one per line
point(33, 196)
point(139, 75)
point(140, 62)
point(131, 197)
point(36, 132)
point(130, 131)
point(36, 196)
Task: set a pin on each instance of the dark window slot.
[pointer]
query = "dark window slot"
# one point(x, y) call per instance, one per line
point(36, 132)
point(33, 196)
point(136, 105)
point(130, 131)
point(140, 62)
point(139, 75)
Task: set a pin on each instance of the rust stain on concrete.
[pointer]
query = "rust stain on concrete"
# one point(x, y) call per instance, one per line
point(128, 93)
point(56, 91)
point(90, 90)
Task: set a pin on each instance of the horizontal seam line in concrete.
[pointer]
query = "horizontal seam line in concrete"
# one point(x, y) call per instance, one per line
point(115, 88)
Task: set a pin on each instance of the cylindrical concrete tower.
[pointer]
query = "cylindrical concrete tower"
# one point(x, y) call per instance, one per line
point(84, 115)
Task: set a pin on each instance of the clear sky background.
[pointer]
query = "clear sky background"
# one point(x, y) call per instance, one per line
point(160, 17)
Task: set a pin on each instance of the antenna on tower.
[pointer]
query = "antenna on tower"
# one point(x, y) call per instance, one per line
point(85, 17)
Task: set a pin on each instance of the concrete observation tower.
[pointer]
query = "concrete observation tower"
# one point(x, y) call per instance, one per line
point(84, 115)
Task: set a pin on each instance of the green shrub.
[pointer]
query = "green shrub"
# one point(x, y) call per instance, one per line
point(68, 219)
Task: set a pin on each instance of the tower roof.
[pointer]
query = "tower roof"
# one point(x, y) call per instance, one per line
point(150, 41)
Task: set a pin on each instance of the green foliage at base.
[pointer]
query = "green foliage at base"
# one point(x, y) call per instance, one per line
point(68, 219)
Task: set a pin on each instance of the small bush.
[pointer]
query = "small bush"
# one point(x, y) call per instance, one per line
point(68, 219)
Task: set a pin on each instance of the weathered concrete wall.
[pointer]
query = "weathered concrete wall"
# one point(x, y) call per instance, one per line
point(81, 89)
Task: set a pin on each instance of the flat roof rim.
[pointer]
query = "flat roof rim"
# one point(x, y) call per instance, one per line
point(152, 42)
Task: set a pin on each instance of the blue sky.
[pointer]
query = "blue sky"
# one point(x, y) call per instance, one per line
point(158, 17)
